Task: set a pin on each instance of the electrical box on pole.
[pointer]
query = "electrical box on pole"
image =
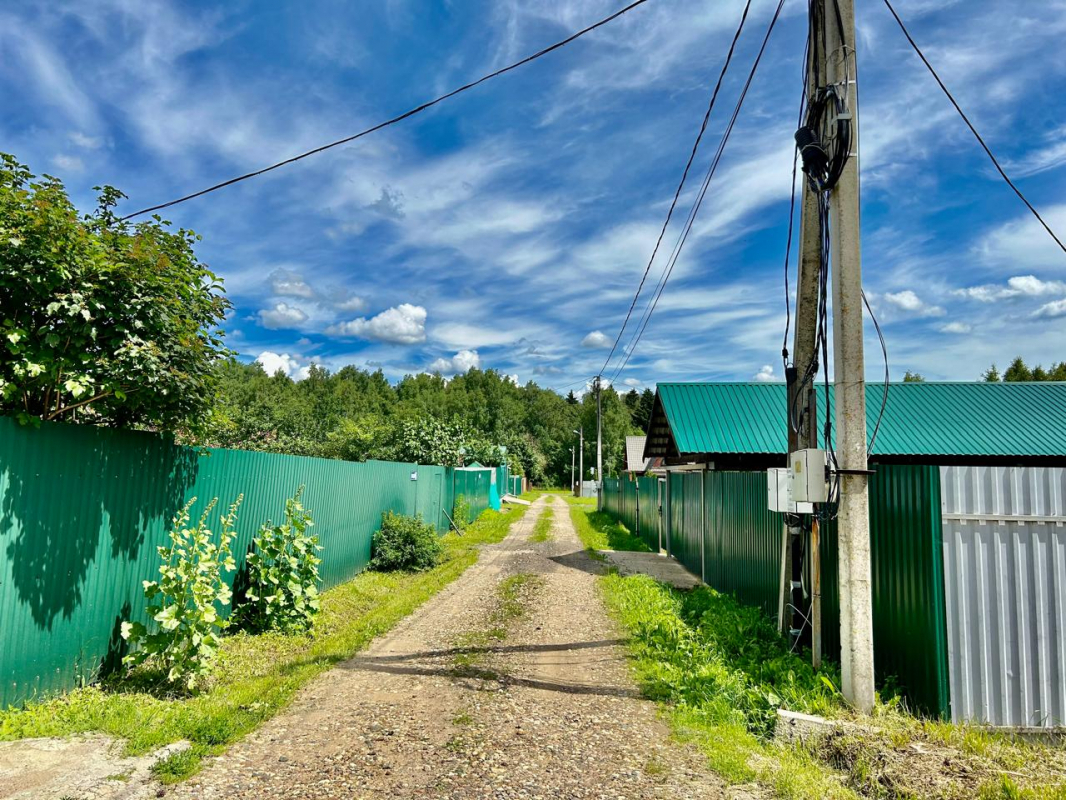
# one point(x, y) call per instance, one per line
point(807, 472)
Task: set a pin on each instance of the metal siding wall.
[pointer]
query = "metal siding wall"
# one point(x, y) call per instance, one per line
point(1006, 594)
point(83, 509)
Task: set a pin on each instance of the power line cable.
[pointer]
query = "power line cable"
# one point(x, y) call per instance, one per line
point(395, 119)
point(681, 184)
point(683, 237)
point(973, 130)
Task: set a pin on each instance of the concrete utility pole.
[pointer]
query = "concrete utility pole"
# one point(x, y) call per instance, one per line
point(599, 446)
point(856, 618)
point(572, 457)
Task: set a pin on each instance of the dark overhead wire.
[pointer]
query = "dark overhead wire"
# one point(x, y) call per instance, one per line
point(973, 130)
point(681, 184)
point(396, 119)
point(683, 237)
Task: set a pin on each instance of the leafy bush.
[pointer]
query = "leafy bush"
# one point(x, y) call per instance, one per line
point(405, 543)
point(283, 574)
point(461, 512)
point(183, 600)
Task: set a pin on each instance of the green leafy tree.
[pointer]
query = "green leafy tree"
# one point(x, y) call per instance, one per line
point(1019, 372)
point(282, 590)
point(913, 377)
point(184, 601)
point(101, 321)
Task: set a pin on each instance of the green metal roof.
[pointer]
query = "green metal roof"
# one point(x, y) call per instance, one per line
point(934, 419)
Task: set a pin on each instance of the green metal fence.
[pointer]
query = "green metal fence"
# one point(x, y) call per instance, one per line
point(82, 511)
point(727, 535)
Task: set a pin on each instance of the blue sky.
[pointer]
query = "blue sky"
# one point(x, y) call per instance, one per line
point(508, 228)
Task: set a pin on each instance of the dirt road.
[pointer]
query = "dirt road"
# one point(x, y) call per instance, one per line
point(511, 683)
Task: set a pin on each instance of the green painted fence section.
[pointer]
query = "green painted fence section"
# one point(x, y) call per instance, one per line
point(82, 511)
point(741, 553)
point(473, 485)
point(648, 516)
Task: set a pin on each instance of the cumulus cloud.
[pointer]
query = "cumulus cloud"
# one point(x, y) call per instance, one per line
point(289, 364)
point(764, 375)
point(632, 382)
point(286, 283)
point(596, 339)
point(402, 324)
point(908, 301)
point(281, 315)
point(956, 327)
point(1052, 310)
point(1018, 286)
point(461, 362)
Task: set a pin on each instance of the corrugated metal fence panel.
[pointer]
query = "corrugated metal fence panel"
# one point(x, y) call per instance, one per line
point(1005, 573)
point(611, 497)
point(629, 504)
point(82, 511)
point(473, 485)
point(910, 645)
point(742, 548)
point(648, 500)
point(686, 511)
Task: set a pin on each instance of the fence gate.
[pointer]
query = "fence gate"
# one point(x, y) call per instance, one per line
point(1005, 584)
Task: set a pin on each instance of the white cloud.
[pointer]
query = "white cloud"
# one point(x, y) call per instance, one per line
point(512, 378)
point(1018, 286)
point(461, 362)
point(1024, 242)
point(281, 315)
point(956, 327)
point(402, 324)
point(79, 139)
point(908, 301)
point(632, 382)
point(596, 339)
point(353, 303)
point(289, 364)
point(1052, 310)
point(286, 283)
point(765, 374)
point(68, 163)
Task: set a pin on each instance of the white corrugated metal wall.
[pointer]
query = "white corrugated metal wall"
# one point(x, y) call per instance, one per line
point(1005, 588)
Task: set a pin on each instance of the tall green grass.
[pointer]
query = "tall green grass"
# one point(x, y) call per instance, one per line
point(598, 530)
point(259, 675)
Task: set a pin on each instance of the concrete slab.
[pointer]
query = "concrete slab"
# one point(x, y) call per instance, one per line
point(661, 567)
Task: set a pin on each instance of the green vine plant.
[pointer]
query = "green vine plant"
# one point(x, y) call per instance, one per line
point(283, 574)
point(185, 600)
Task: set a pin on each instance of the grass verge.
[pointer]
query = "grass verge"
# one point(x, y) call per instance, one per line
point(721, 671)
point(598, 530)
point(257, 676)
point(542, 531)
